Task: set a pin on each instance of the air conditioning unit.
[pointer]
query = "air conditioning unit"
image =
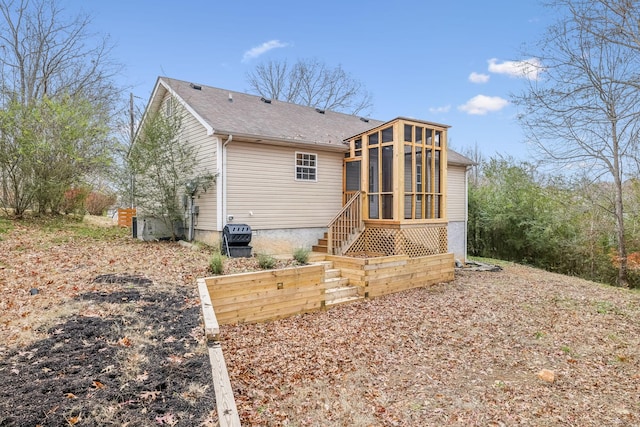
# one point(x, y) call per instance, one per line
point(154, 228)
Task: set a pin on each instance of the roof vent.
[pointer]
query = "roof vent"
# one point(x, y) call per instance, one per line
point(265, 100)
point(230, 97)
point(364, 119)
point(320, 110)
point(196, 87)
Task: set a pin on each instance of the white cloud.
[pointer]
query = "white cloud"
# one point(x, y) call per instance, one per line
point(443, 109)
point(478, 78)
point(265, 47)
point(481, 104)
point(528, 68)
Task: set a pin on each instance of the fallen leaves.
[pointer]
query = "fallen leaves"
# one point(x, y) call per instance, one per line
point(124, 342)
point(150, 395)
point(63, 264)
point(174, 359)
point(142, 377)
point(465, 353)
point(98, 385)
point(93, 338)
point(167, 419)
point(73, 420)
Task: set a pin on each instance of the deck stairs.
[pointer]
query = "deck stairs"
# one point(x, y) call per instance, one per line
point(344, 229)
point(322, 245)
point(337, 288)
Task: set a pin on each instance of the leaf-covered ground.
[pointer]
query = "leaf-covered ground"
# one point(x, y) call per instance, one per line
point(467, 353)
point(99, 329)
point(113, 336)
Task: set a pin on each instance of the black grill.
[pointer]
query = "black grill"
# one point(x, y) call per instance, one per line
point(236, 239)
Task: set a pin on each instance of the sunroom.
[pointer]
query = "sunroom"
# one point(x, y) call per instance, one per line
point(394, 192)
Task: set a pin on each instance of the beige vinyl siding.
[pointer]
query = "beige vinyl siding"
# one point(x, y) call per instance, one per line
point(456, 197)
point(195, 136)
point(262, 190)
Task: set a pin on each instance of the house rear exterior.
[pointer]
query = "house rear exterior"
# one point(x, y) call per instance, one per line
point(287, 171)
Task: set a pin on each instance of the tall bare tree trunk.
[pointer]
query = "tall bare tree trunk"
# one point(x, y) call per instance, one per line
point(622, 249)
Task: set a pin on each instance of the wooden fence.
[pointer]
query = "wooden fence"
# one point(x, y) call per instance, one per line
point(272, 294)
point(125, 216)
point(385, 275)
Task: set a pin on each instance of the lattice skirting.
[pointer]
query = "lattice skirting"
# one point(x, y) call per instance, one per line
point(413, 242)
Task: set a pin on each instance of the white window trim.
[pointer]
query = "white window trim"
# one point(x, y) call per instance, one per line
point(295, 166)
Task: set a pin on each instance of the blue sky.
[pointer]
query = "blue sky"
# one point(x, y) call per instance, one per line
point(446, 62)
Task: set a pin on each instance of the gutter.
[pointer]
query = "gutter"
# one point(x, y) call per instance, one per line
point(286, 142)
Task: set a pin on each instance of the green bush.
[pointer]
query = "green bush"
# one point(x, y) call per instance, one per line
point(301, 255)
point(216, 264)
point(266, 262)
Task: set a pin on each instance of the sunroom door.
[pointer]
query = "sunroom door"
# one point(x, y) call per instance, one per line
point(352, 179)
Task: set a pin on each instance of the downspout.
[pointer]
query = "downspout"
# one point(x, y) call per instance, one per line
point(224, 179)
point(192, 217)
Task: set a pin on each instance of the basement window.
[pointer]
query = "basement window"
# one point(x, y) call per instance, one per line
point(306, 166)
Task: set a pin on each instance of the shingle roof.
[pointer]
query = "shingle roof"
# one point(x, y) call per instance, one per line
point(455, 158)
point(228, 112)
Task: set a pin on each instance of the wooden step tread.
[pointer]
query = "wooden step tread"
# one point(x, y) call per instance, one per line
point(319, 248)
point(335, 282)
point(340, 289)
point(345, 300)
point(328, 265)
point(338, 293)
point(331, 273)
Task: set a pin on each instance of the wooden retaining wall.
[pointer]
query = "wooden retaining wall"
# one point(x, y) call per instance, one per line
point(228, 415)
point(255, 297)
point(385, 275)
point(265, 295)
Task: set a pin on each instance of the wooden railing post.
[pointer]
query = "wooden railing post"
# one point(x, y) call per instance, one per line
point(344, 224)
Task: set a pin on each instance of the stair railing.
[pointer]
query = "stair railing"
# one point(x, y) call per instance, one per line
point(345, 225)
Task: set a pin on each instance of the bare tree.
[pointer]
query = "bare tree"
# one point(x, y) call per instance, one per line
point(312, 83)
point(615, 21)
point(43, 54)
point(583, 111)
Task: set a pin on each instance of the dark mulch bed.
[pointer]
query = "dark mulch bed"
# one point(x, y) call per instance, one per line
point(132, 355)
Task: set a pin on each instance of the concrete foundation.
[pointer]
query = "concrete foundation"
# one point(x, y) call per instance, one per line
point(272, 242)
point(457, 239)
